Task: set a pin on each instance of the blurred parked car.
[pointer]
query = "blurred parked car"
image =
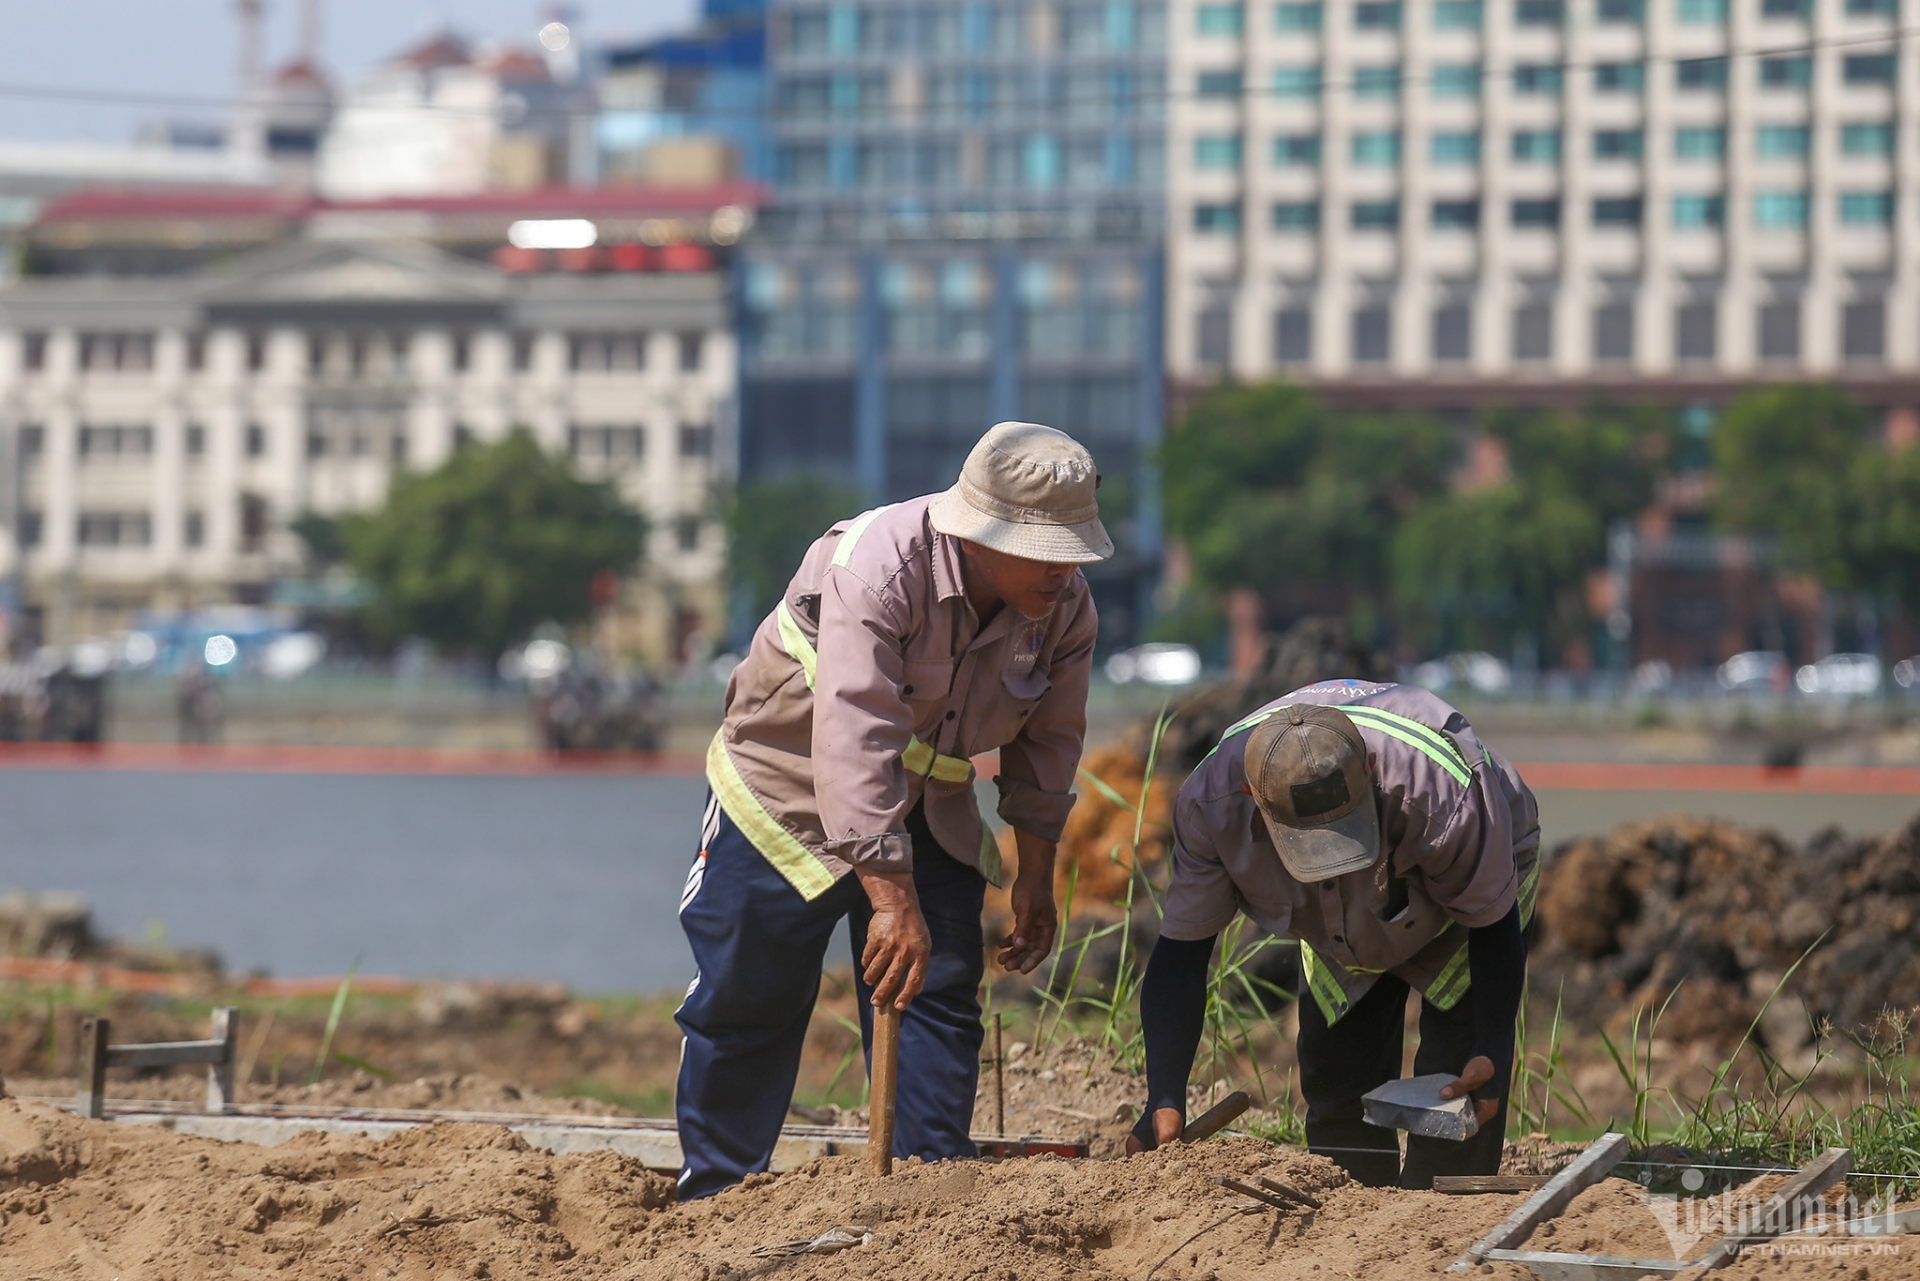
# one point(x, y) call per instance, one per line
point(1906, 672)
point(1755, 670)
point(1840, 676)
point(1477, 670)
point(1159, 664)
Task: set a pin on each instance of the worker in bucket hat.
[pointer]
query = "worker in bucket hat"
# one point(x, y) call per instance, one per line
point(913, 638)
point(1370, 823)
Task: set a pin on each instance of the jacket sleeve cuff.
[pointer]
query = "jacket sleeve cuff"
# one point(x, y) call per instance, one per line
point(892, 852)
point(1042, 814)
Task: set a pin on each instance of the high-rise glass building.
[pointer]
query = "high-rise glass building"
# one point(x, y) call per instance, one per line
point(1440, 196)
point(965, 227)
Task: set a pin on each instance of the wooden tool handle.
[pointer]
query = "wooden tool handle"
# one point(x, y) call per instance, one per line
point(1216, 1118)
point(884, 1078)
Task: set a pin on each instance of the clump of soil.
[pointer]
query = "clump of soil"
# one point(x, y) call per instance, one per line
point(85, 1199)
point(1722, 912)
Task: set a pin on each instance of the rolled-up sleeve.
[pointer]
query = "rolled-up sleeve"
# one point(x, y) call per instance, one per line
point(861, 724)
point(1037, 767)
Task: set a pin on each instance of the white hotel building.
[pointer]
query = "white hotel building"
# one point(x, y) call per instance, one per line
point(1446, 196)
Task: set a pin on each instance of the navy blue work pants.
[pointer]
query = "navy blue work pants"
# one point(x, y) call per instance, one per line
point(758, 948)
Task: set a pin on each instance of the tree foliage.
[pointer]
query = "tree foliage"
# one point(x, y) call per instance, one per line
point(1269, 489)
point(500, 539)
point(770, 525)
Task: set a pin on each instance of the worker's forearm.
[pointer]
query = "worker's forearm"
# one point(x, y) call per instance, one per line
point(1497, 963)
point(889, 889)
point(1173, 1008)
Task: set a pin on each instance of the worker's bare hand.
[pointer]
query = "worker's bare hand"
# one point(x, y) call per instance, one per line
point(1478, 1072)
point(1035, 918)
point(898, 945)
point(1167, 1125)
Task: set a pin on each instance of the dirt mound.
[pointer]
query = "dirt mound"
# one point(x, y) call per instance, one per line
point(447, 1092)
point(1722, 912)
point(87, 1199)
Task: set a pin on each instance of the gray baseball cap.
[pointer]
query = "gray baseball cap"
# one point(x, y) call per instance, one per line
point(1307, 766)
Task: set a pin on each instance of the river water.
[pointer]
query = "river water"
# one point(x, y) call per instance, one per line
point(575, 878)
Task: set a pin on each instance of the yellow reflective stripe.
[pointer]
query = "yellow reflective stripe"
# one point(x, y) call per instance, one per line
point(1235, 728)
point(782, 848)
point(856, 527)
point(923, 760)
point(1446, 760)
point(1529, 891)
point(1451, 983)
point(798, 647)
point(1435, 740)
point(1326, 989)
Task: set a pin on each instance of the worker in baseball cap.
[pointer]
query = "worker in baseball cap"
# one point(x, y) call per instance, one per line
point(913, 638)
point(1370, 823)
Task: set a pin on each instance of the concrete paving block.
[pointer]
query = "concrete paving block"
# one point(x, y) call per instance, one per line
point(1414, 1104)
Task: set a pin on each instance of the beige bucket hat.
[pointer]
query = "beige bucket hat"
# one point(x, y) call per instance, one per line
point(1028, 491)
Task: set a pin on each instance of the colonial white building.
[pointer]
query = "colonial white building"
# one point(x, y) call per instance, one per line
point(1452, 193)
point(157, 435)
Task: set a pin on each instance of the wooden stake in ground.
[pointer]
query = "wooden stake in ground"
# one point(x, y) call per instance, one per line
point(883, 1079)
point(999, 1084)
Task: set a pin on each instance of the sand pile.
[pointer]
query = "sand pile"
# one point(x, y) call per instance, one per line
point(87, 1199)
point(1729, 909)
point(444, 1092)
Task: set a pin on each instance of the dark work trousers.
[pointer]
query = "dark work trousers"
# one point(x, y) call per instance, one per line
point(758, 947)
point(1363, 1051)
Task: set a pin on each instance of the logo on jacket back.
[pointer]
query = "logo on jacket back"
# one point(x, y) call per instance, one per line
point(1026, 648)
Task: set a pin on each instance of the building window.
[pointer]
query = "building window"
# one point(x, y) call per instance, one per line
point(256, 352)
point(1371, 16)
point(116, 353)
point(1713, 12)
point(1217, 151)
point(606, 444)
point(1867, 68)
point(1296, 215)
point(256, 441)
point(462, 436)
point(1222, 218)
point(1296, 17)
point(1700, 73)
point(1872, 8)
point(194, 532)
point(1540, 13)
point(1372, 335)
point(692, 347)
point(1456, 148)
point(1796, 9)
point(1213, 334)
point(1453, 333)
point(33, 440)
point(1292, 336)
point(1376, 147)
point(686, 529)
point(1220, 84)
point(696, 440)
point(1617, 144)
point(1613, 333)
point(1867, 139)
point(1695, 212)
point(1695, 331)
point(1376, 215)
point(196, 352)
point(1533, 332)
point(1780, 330)
point(1290, 149)
point(114, 442)
point(31, 524)
point(115, 529)
point(1866, 208)
point(1863, 331)
point(1786, 71)
point(607, 353)
point(1536, 146)
point(1626, 11)
point(1780, 210)
point(1700, 142)
point(33, 351)
point(1619, 77)
point(1536, 213)
point(1537, 78)
point(522, 352)
point(1292, 82)
point(1617, 211)
point(1456, 214)
point(196, 440)
point(1781, 142)
point(1377, 82)
point(1456, 15)
point(1456, 80)
point(1219, 19)
point(462, 353)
